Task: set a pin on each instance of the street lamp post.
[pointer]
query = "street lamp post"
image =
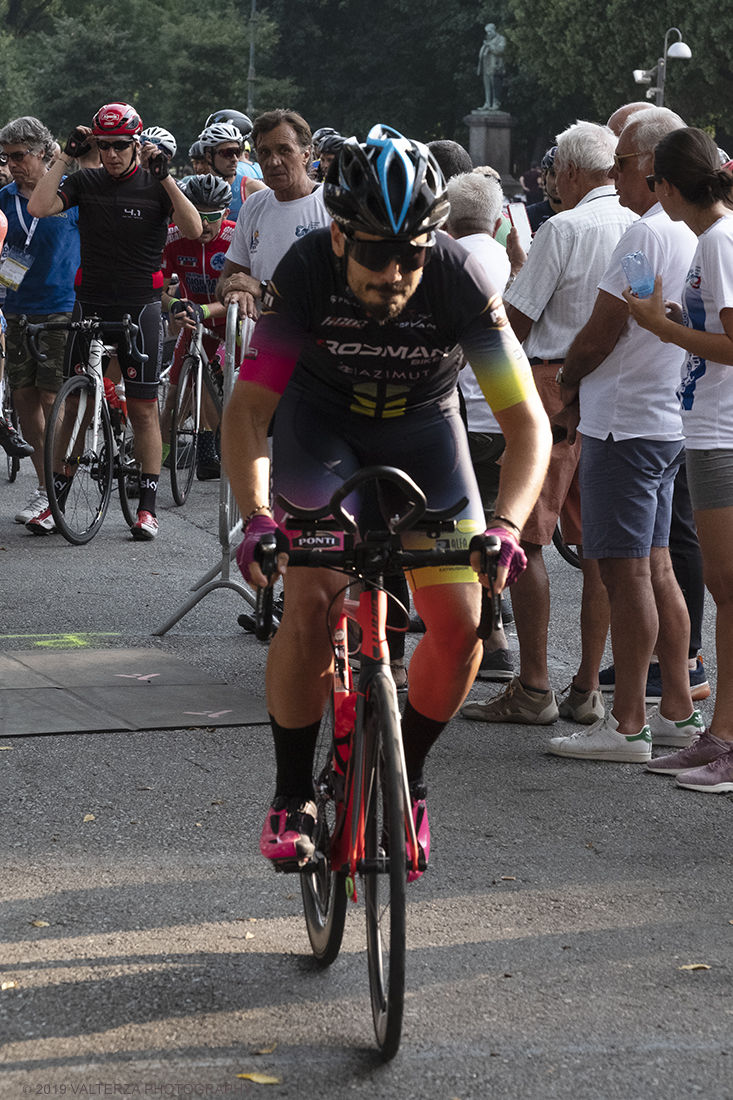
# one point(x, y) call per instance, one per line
point(678, 49)
point(251, 74)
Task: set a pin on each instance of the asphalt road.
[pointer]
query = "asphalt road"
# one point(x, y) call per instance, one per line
point(547, 944)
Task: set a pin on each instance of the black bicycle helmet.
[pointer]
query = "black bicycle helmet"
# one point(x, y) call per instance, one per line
point(389, 186)
point(320, 134)
point(242, 122)
point(211, 191)
point(331, 143)
point(196, 151)
point(548, 161)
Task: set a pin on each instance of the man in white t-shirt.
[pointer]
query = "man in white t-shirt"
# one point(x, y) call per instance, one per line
point(273, 219)
point(631, 426)
point(475, 216)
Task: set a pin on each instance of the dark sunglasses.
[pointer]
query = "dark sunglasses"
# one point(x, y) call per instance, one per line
point(377, 255)
point(231, 153)
point(118, 146)
point(16, 158)
point(651, 182)
point(211, 217)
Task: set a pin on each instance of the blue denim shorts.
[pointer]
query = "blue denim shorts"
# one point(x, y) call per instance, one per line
point(626, 495)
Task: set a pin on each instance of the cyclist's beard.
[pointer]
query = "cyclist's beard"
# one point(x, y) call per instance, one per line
point(385, 303)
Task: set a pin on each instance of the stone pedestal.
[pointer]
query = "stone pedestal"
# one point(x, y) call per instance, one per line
point(490, 143)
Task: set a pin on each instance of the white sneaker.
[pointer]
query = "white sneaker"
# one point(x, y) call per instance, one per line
point(602, 741)
point(679, 734)
point(37, 503)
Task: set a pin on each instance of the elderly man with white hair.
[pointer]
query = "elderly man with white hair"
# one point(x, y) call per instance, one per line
point(548, 303)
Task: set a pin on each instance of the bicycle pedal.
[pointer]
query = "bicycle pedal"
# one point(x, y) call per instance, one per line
point(290, 866)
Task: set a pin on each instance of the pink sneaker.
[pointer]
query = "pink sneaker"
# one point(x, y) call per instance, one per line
point(287, 835)
point(418, 793)
point(714, 778)
point(146, 526)
point(704, 750)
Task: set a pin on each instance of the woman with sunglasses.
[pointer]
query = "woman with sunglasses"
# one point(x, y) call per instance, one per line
point(124, 213)
point(692, 187)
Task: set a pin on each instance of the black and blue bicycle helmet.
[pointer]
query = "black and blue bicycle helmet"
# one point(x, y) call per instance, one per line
point(388, 186)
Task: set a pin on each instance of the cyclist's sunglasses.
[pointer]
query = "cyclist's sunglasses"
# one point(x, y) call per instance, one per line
point(376, 255)
point(118, 146)
point(16, 157)
point(231, 152)
point(211, 217)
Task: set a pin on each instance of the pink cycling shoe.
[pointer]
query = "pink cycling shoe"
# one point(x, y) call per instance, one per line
point(287, 835)
point(418, 793)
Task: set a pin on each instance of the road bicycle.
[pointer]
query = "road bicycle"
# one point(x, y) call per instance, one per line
point(567, 552)
point(364, 825)
point(88, 436)
point(197, 373)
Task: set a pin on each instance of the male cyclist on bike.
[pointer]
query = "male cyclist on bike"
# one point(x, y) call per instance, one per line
point(358, 348)
point(198, 265)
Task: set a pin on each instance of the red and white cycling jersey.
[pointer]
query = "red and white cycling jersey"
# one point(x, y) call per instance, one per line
point(197, 265)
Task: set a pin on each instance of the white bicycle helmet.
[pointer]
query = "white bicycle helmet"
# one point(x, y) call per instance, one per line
point(162, 138)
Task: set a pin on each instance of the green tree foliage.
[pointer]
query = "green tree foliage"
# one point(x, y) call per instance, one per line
point(174, 62)
point(409, 64)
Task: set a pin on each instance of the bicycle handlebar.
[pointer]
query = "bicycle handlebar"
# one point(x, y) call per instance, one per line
point(92, 325)
point(375, 556)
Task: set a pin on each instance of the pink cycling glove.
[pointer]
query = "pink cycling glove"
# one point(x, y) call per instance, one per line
point(257, 526)
point(512, 555)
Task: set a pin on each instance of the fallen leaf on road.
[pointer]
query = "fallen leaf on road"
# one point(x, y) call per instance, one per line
point(252, 920)
point(14, 985)
point(508, 878)
point(249, 935)
point(8, 748)
point(146, 788)
point(260, 1078)
point(694, 966)
point(219, 802)
point(40, 924)
point(199, 825)
point(265, 1050)
point(89, 817)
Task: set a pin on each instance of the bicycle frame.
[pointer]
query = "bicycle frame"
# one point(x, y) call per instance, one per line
point(347, 843)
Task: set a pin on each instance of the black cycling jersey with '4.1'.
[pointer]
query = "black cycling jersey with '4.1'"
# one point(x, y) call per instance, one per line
point(314, 329)
point(123, 225)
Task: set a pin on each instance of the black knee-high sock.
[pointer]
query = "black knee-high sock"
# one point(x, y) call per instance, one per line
point(419, 734)
point(294, 752)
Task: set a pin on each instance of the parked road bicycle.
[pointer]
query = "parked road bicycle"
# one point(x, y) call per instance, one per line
point(88, 436)
point(11, 417)
point(199, 377)
point(364, 827)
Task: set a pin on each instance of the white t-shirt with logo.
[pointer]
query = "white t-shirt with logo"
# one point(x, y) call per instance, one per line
point(267, 228)
point(706, 390)
point(631, 394)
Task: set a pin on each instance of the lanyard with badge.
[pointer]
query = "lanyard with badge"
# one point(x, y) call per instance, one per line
point(16, 262)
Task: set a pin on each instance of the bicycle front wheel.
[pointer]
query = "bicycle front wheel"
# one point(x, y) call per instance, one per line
point(385, 873)
point(184, 432)
point(78, 506)
point(323, 888)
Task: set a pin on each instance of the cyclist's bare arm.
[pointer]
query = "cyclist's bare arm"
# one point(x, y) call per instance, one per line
point(244, 450)
point(45, 199)
point(236, 284)
point(215, 309)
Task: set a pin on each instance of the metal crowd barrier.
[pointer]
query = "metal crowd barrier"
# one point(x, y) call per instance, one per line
point(230, 521)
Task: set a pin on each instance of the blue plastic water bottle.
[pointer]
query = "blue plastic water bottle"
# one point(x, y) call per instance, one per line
point(638, 271)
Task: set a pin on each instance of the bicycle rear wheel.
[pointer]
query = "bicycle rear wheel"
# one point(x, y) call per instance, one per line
point(566, 552)
point(79, 507)
point(127, 472)
point(323, 889)
point(384, 850)
point(11, 416)
point(184, 432)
